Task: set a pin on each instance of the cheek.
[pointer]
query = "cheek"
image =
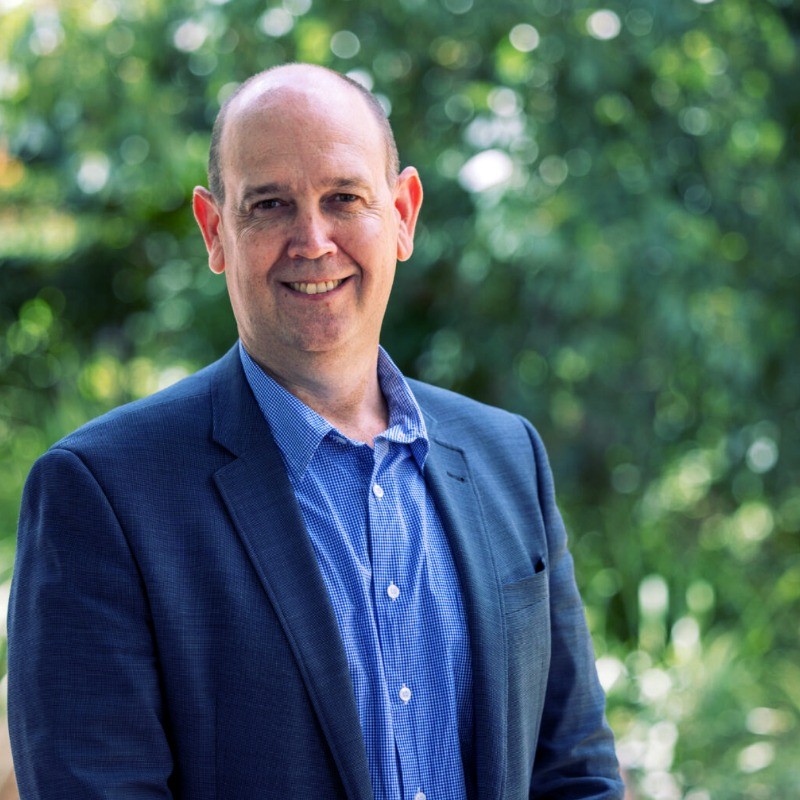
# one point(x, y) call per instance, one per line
point(255, 250)
point(368, 243)
point(246, 283)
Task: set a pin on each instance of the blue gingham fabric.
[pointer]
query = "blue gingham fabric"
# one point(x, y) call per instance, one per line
point(388, 569)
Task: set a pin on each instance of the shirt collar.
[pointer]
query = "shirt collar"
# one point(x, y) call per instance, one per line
point(299, 430)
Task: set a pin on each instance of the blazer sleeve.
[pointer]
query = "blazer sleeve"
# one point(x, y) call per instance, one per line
point(84, 706)
point(575, 756)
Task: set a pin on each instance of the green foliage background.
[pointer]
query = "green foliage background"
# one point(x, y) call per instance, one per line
point(622, 268)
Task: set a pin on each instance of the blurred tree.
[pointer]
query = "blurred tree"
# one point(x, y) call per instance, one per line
point(610, 245)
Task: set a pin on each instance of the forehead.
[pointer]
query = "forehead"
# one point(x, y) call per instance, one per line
point(302, 131)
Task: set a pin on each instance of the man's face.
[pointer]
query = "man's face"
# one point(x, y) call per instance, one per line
point(310, 231)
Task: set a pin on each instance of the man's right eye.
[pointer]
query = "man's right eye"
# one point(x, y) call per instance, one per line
point(268, 203)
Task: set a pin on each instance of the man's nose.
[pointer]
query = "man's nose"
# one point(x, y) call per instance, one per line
point(311, 236)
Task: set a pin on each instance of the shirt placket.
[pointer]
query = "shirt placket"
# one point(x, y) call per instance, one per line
point(393, 576)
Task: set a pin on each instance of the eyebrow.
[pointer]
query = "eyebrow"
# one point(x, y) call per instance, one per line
point(267, 189)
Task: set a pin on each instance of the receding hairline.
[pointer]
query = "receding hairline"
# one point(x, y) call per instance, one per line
point(215, 179)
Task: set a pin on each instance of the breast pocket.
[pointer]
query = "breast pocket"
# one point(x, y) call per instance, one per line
point(527, 618)
point(527, 615)
point(527, 592)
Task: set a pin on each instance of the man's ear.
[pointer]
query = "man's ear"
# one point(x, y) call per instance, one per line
point(209, 217)
point(407, 201)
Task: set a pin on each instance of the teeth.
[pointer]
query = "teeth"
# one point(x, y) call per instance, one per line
point(315, 288)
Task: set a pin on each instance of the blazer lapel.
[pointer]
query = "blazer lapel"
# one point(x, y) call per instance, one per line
point(448, 476)
point(262, 504)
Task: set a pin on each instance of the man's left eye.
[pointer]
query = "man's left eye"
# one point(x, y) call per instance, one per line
point(344, 197)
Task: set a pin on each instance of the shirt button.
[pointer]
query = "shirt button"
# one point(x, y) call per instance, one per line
point(419, 796)
point(377, 490)
point(393, 591)
point(405, 694)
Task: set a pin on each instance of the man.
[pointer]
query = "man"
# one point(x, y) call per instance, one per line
point(295, 574)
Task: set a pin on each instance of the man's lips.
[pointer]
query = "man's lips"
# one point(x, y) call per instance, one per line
point(316, 288)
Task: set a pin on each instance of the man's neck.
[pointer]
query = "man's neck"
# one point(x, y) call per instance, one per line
point(343, 391)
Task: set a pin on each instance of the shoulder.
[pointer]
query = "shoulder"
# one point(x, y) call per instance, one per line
point(466, 423)
point(451, 409)
point(170, 415)
point(435, 401)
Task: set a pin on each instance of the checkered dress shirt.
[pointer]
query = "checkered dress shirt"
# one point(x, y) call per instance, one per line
point(389, 572)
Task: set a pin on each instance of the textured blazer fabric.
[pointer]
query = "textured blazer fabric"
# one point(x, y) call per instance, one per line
point(170, 635)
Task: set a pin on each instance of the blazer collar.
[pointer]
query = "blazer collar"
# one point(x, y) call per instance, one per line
point(260, 500)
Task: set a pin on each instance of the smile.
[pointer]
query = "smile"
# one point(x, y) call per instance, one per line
point(316, 288)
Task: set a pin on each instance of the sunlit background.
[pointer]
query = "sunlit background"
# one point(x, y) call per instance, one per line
point(610, 245)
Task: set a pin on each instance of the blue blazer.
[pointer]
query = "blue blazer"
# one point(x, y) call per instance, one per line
point(170, 634)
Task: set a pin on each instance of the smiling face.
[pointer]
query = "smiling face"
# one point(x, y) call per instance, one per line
point(310, 230)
